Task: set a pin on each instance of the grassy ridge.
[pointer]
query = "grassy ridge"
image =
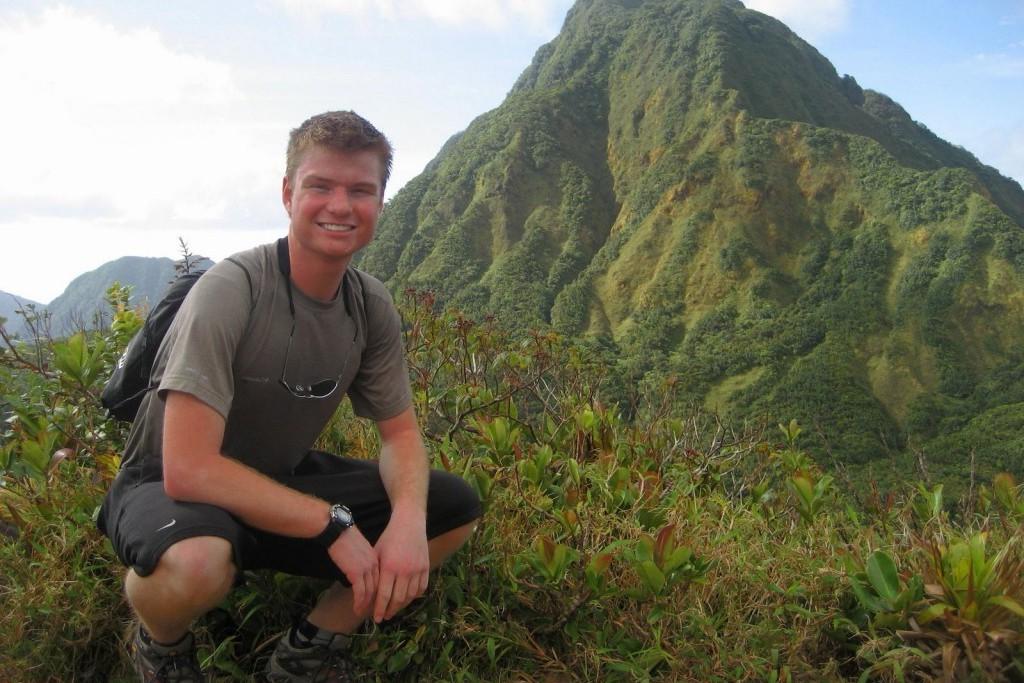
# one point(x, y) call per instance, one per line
point(662, 548)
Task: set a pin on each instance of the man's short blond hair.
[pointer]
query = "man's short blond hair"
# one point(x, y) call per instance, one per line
point(343, 131)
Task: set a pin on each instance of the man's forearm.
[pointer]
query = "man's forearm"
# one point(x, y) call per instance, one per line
point(254, 498)
point(405, 474)
point(404, 467)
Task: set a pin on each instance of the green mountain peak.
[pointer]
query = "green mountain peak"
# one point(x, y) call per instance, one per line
point(695, 187)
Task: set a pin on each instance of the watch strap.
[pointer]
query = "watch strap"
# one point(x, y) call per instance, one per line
point(334, 527)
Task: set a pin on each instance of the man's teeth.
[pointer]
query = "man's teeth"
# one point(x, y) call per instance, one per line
point(336, 227)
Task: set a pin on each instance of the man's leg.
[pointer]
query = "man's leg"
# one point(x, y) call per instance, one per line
point(317, 647)
point(191, 578)
point(334, 610)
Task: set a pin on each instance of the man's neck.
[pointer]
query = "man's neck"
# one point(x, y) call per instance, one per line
point(317, 278)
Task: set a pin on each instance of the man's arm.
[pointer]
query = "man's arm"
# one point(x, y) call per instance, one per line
point(195, 470)
point(402, 548)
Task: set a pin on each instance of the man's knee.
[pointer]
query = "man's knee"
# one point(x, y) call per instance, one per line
point(451, 497)
point(200, 567)
point(462, 533)
point(445, 545)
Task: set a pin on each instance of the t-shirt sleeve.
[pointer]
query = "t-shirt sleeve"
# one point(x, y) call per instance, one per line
point(201, 342)
point(381, 389)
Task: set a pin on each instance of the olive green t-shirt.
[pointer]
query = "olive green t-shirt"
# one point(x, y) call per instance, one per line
point(227, 348)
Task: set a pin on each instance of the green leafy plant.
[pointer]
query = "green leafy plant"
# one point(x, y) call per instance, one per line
point(550, 559)
point(886, 598)
point(80, 361)
point(927, 503)
point(500, 435)
point(809, 494)
point(661, 564)
point(973, 584)
point(1007, 495)
point(977, 606)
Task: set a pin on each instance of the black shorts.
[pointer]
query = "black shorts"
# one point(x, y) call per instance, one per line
point(142, 521)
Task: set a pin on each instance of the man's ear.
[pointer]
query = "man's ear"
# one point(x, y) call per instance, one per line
point(286, 195)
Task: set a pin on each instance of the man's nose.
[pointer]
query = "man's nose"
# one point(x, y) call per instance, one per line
point(339, 201)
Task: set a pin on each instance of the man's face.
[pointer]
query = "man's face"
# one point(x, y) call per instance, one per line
point(334, 201)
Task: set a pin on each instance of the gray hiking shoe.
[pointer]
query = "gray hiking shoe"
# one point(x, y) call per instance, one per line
point(156, 663)
point(321, 662)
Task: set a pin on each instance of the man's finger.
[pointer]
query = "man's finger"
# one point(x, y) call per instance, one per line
point(384, 592)
point(358, 592)
point(399, 598)
point(370, 581)
point(371, 592)
point(424, 582)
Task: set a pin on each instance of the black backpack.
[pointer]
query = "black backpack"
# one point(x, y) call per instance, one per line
point(131, 379)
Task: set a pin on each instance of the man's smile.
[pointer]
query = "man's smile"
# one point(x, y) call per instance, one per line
point(337, 227)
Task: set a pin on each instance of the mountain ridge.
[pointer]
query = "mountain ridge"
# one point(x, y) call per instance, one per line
point(10, 304)
point(82, 303)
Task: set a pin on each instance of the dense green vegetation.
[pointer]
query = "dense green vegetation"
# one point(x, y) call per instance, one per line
point(697, 190)
point(670, 548)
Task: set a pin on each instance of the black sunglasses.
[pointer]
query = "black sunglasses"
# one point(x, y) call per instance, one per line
point(325, 387)
point(320, 389)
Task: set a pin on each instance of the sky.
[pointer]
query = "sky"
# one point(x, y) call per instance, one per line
point(128, 124)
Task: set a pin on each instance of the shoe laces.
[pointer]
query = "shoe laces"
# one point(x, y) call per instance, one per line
point(336, 661)
point(334, 666)
point(179, 668)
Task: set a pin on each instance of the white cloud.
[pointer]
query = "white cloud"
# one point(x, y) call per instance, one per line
point(115, 142)
point(493, 14)
point(810, 19)
point(117, 119)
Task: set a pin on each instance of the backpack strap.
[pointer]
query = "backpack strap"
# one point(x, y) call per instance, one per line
point(248, 278)
point(252, 306)
point(358, 299)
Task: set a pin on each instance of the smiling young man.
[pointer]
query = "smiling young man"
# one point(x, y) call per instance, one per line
point(218, 473)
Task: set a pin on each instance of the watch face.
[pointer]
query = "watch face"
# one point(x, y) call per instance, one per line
point(342, 515)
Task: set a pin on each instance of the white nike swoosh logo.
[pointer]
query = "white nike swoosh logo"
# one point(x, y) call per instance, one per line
point(168, 525)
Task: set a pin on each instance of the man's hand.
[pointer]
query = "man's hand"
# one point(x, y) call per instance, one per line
point(357, 560)
point(404, 566)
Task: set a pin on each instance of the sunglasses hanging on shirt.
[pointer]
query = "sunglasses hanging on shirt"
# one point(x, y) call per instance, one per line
point(325, 387)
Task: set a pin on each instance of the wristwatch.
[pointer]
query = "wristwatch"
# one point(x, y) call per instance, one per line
point(339, 519)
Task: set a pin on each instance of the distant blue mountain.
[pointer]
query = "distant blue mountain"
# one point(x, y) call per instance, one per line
point(82, 305)
point(9, 306)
